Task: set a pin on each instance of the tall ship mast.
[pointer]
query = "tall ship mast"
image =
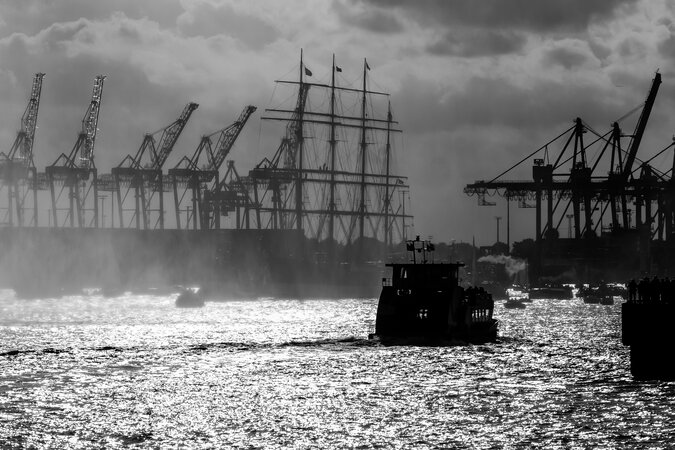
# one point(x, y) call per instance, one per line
point(332, 176)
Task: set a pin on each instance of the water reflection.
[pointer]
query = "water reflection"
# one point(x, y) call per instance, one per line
point(135, 370)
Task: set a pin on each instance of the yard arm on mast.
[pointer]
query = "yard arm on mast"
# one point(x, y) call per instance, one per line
point(294, 128)
point(283, 168)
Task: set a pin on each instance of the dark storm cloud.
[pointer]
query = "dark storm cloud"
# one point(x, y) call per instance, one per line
point(666, 47)
point(131, 103)
point(538, 16)
point(631, 47)
point(375, 20)
point(475, 42)
point(207, 20)
point(599, 49)
point(486, 102)
point(566, 57)
point(31, 16)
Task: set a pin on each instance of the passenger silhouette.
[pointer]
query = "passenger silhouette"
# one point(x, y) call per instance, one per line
point(632, 290)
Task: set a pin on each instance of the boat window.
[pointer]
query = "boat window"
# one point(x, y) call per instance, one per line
point(423, 314)
point(404, 273)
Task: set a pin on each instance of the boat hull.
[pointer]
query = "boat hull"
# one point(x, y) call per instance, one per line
point(428, 317)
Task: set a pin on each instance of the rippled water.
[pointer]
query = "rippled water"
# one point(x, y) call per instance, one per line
point(94, 372)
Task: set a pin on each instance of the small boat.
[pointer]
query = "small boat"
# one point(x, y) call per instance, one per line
point(592, 299)
point(189, 298)
point(514, 303)
point(422, 303)
point(518, 293)
point(596, 295)
point(551, 292)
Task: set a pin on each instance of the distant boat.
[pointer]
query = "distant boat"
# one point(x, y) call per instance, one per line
point(592, 299)
point(519, 293)
point(551, 292)
point(514, 303)
point(599, 295)
point(189, 298)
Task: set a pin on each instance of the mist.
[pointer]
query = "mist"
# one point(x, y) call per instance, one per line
point(511, 265)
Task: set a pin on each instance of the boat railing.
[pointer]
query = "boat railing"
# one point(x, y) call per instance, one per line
point(386, 282)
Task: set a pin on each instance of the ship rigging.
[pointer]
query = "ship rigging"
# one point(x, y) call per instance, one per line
point(332, 174)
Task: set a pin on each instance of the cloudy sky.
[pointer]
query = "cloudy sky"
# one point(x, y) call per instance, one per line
point(475, 85)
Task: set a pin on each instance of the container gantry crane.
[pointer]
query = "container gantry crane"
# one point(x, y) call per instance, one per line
point(230, 194)
point(77, 172)
point(580, 187)
point(17, 168)
point(194, 178)
point(145, 179)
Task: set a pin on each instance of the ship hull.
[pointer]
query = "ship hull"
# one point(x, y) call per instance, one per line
point(428, 317)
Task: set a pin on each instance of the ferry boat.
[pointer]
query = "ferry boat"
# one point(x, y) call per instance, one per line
point(423, 303)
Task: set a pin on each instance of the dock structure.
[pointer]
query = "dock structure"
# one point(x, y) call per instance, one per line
point(330, 190)
point(620, 209)
point(646, 327)
point(332, 177)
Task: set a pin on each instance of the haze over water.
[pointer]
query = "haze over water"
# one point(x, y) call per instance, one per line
point(94, 372)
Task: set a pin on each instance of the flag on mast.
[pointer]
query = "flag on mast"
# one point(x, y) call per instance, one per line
point(338, 69)
point(367, 66)
point(308, 72)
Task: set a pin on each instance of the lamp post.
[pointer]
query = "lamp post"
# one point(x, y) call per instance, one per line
point(102, 198)
point(630, 216)
point(508, 225)
point(498, 218)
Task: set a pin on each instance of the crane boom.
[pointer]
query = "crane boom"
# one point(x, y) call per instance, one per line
point(22, 150)
point(170, 135)
point(227, 138)
point(640, 127)
point(90, 124)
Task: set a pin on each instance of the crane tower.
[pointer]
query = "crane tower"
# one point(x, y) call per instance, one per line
point(17, 168)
